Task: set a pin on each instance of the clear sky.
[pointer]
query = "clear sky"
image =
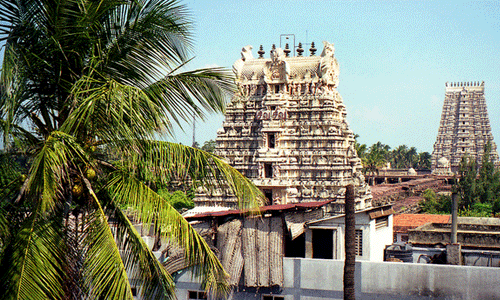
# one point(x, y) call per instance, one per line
point(394, 56)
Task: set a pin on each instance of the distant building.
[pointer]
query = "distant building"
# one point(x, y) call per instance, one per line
point(404, 222)
point(479, 240)
point(464, 127)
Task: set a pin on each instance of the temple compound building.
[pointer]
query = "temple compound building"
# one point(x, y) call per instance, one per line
point(464, 127)
point(286, 130)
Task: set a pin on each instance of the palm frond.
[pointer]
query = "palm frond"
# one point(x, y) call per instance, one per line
point(181, 94)
point(116, 113)
point(103, 272)
point(163, 162)
point(50, 169)
point(33, 262)
point(151, 208)
point(143, 39)
point(155, 282)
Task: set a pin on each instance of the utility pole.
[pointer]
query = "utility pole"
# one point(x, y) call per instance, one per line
point(194, 131)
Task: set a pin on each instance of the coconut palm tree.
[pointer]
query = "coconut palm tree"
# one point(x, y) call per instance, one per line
point(374, 159)
point(86, 89)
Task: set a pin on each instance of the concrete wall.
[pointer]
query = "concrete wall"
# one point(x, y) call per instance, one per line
point(319, 279)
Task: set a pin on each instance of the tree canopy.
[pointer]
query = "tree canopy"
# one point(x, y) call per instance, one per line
point(478, 186)
point(86, 88)
point(402, 157)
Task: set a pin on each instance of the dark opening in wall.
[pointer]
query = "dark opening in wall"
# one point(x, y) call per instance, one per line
point(271, 140)
point(269, 195)
point(322, 243)
point(296, 247)
point(268, 170)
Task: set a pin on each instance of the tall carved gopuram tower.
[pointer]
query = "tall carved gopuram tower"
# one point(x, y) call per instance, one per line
point(286, 128)
point(464, 127)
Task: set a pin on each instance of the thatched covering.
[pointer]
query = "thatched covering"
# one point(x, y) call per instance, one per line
point(176, 256)
point(250, 250)
point(263, 251)
point(229, 245)
point(295, 221)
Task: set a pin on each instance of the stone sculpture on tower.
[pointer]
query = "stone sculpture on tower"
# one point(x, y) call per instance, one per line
point(286, 129)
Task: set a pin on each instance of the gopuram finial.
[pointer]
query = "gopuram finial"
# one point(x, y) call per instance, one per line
point(300, 50)
point(287, 50)
point(261, 52)
point(312, 50)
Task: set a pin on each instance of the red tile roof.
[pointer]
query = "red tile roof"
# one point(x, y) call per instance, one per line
point(263, 209)
point(403, 222)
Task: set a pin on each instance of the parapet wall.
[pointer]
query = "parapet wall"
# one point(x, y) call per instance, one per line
point(317, 279)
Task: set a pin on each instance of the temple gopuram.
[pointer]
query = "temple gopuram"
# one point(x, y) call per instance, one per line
point(286, 130)
point(464, 127)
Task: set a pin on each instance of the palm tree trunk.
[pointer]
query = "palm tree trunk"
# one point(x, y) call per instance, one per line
point(350, 254)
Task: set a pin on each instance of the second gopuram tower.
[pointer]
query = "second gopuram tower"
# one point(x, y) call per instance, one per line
point(464, 127)
point(286, 129)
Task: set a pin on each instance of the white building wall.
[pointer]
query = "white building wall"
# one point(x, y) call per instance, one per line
point(374, 240)
point(379, 239)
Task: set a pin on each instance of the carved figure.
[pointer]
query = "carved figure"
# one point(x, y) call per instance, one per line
point(246, 53)
point(292, 192)
point(277, 55)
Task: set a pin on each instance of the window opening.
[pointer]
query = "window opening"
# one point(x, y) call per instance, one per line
point(296, 247)
point(268, 170)
point(272, 297)
point(269, 195)
point(277, 88)
point(382, 222)
point(322, 240)
point(359, 242)
point(271, 140)
point(197, 295)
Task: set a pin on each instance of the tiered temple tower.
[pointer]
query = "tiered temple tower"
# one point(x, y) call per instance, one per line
point(464, 127)
point(286, 129)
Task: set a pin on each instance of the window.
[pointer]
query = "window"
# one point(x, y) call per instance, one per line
point(271, 140)
point(269, 195)
point(322, 243)
point(197, 295)
point(268, 170)
point(272, 297)
point(277, 89)
point(382, 222)
point(359, 242)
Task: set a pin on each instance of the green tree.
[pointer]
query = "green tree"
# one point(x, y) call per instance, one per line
point(209, 146)
point(86, 88)
point(435, 204)
point(424, 160)
point(479, 187)
point(178, 199)
point(375, 158)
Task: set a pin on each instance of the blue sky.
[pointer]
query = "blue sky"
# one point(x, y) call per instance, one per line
point(395, 56)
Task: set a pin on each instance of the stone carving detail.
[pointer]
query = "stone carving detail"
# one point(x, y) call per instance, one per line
point(285, 129)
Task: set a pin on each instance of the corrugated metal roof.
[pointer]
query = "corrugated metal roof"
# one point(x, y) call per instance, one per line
point(262, 209)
